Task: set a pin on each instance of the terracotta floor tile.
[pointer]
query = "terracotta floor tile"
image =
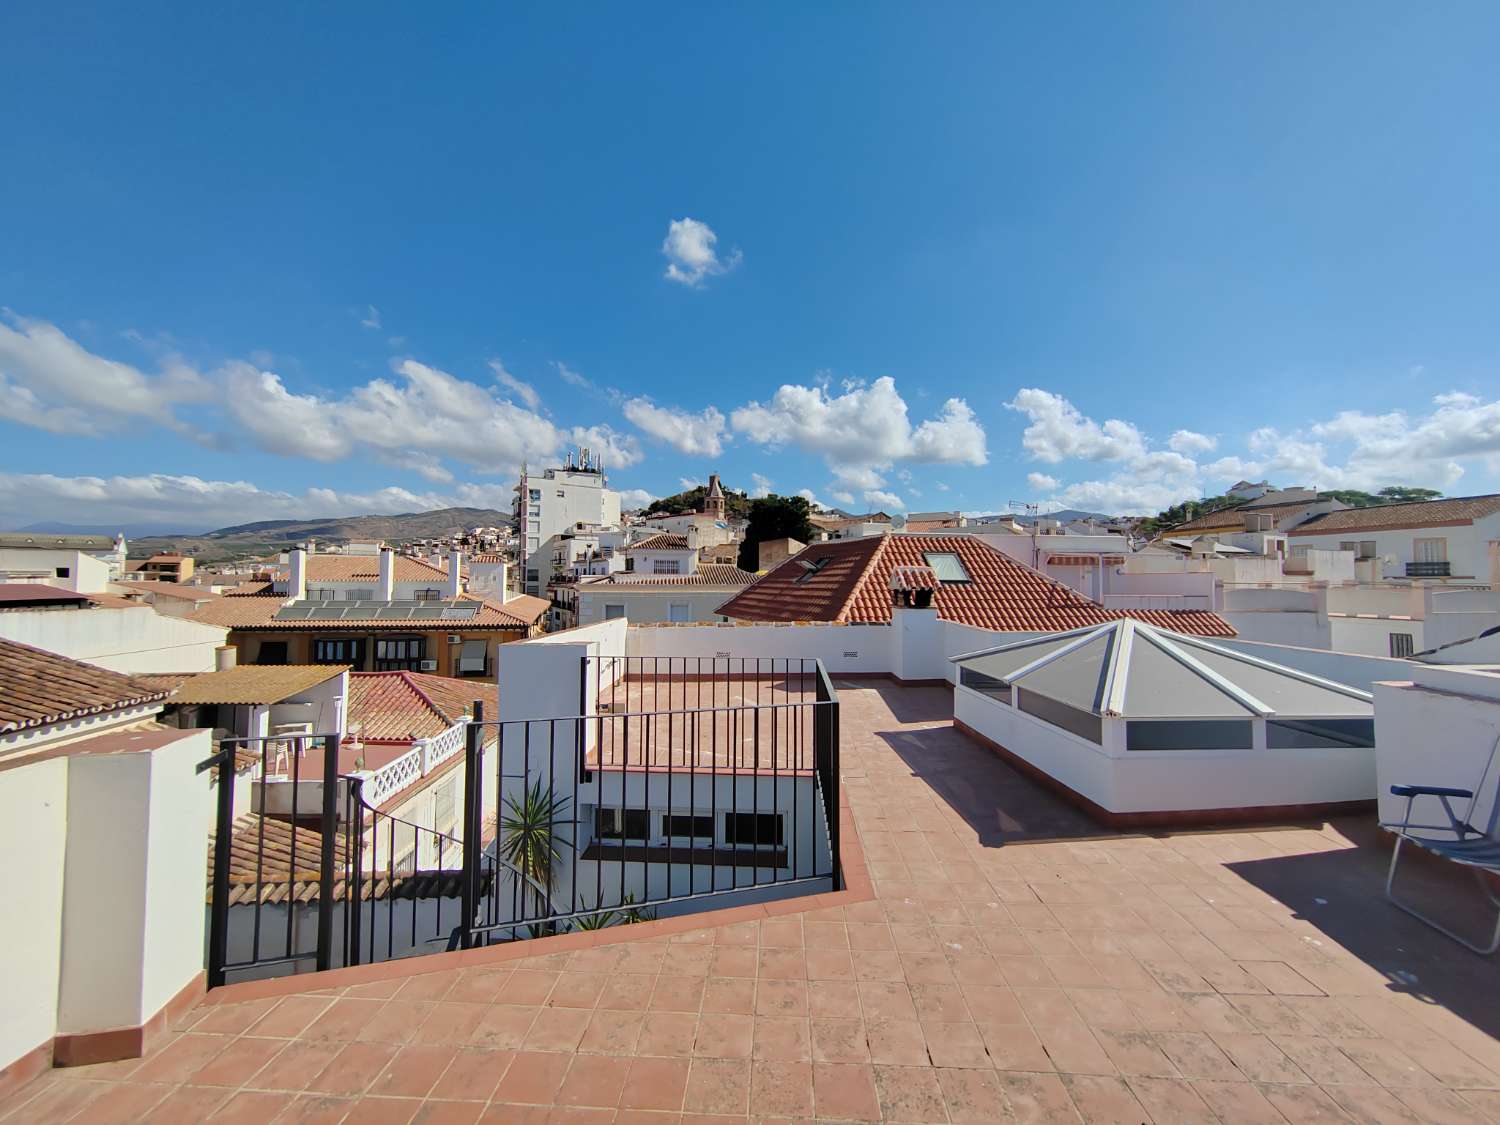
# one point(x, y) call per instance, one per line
point(237, 1065)
point(557, 1029)
point(782, 964)
point(413, 1071)
point(883, 1000)
point(782, 1038)
point(729, 994)
point(627, 992)
point(1373, 1104)
point(973, 1096)
point(529, 986)
point(182, 1058)
point(1102, 1099)
point(718, 1086)
point(472, 1075)
point(1171, 1101)
point(655, 1084)
point(248, 1107)
point(448, 1113)
point(1259, 1059)
point(291, 1016)
point(781, 998)
point(781, 1088)
point(910, 1094)
point(397, 1021)
point(725, 1036)
point(1037, 1099)
point(612, 1032)
point(533, 1078)
point(1135, 1053)
point(667, 1033)
point(1304, 1104)
point(677, 994)
point(577, 990)
point(503, 1026)
point(384, 1111)
point(896, 1042)
point(839, 1041)
point(353, 1070)
point(781, 932)
point(594, 1080)
point(833, 999)
point(482, 985)
point(188, 1105)
point(451, 1022)
point(232, 1019)
point(734, 961)
point(1237, 1102)
point(1074, 1050)
point(428, 986)
point(845, 1092)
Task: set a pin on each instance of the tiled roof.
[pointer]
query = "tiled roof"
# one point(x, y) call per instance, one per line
point(1421, 513)
point(399, 706)
point(488, 557)
point(853, 585)
point(258, 613)
point(725, 575)
point(272, 862)
point(165, 590)
point(255, 683)
point(38, 593)
point(366, 568)
point(41, 687)
point(661, 541)
point(1234, 518)
point(248, 589)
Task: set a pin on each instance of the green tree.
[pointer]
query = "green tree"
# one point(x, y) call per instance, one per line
point(774, 517)
point(736, 504)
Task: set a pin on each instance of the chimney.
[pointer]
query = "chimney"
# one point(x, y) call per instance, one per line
point(312, 546)
point(296, 587)
point(386, 590)
point(692, 536)
point(225, 658)
point(455, 573)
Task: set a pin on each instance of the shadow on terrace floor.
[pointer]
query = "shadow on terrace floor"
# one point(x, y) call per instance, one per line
point(1353, 911)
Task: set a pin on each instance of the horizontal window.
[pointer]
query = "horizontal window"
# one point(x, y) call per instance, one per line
point(760, 830)
point(1188, 734)
point(1310, 734)
point(623, 824)
point(985, 685)
point(1082, 723)
point(682, 824)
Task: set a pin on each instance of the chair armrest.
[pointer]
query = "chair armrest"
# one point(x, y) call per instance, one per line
point(1428, 790)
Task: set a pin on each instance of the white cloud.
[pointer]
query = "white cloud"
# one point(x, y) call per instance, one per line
point(635, 498)
point(50, 381)
point(1190, 442)
point(842, 497)
point(569, 376)
point(688, 483)
point(880, 499)
point(1059, 432)
point(941, 487)
point(807, 494)
point(371, 319)
point(521, 389)
point(1041, 482)
point(761, 486)
point(691, 255)
point(862, 431)
point(699, 435)
point(201, 505)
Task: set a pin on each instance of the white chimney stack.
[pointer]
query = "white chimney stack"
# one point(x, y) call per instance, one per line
point(386, 590)
point(455, 573)
point(225, 658)
point(296, 586)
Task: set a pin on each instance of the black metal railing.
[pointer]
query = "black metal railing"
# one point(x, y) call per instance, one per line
point(680, 781)
point(676, 783)
point(1429, 569)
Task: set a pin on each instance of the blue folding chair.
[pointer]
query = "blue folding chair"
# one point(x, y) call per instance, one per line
point(1477, 849)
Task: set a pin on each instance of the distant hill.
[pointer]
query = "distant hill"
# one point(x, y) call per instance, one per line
point(1066, 515)
point(264, 536)
point(129, 530)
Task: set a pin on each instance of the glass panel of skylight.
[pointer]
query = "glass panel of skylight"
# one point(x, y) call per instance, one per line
point(947, 567)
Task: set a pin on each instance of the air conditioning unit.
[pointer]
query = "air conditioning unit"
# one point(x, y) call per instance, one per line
point(455, 639)
point(429, 666)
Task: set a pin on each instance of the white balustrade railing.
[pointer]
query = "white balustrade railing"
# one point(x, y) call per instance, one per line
point(425, 755)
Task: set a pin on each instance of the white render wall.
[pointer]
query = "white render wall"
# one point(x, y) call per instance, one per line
point(1126, 781)
point(1467, 546)
point(86, 574)
point(33, 833)
point(132, 917)
point(1436, 726)
point(134, 639)
point(650, 606)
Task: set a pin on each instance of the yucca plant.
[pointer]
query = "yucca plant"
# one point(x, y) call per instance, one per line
point(533, 828)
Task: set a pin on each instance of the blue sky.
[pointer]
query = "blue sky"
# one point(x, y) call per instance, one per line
point(265, 261)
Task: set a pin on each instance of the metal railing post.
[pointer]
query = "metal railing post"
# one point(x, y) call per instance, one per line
point(473, 797)
point(218, 916)
point(355, 825)
point(328, 873)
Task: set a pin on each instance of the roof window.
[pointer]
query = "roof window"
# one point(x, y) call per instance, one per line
point(948, 567)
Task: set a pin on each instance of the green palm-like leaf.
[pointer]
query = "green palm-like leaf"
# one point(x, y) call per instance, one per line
point(532, 831)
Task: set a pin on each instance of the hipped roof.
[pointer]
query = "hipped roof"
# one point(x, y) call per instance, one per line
point(1129, 669)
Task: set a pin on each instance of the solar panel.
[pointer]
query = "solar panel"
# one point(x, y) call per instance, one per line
point(459, 612)
point(326, 613)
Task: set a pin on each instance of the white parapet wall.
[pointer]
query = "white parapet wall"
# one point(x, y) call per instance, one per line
point(128, 639)
point(1438, 726)
point(33, 833)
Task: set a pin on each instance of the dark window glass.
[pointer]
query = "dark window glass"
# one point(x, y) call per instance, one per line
point(62, 572)
point(1070, 719)
point(338, 650)
point(763, 830)
point(1309, 734)
point(680, 824)
point(627, 824)
point(271, 652)
point(985, 685)
point(396, 654)
point(1188, 734)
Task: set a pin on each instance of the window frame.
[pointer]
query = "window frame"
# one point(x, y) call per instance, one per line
point(957, 561)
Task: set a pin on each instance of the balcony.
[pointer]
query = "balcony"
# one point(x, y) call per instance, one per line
point(1429, 569)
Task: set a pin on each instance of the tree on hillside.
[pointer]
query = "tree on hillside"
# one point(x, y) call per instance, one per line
point(1169, 518)
point(1395, 494)
point(774, 517)
point(736, 504)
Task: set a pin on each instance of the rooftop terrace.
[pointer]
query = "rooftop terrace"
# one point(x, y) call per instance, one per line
point(997, 957)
